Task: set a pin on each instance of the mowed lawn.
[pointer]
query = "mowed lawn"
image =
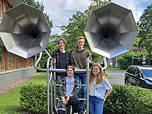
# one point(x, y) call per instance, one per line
point(9, 102)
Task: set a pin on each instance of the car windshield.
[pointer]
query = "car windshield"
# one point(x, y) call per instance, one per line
point(147, 72)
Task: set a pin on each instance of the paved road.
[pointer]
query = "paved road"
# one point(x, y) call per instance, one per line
point(117, 77)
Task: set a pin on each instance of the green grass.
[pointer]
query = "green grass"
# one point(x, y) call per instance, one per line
point(9, 102)
point(113, 68)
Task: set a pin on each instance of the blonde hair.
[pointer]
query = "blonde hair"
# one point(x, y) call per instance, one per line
point(80, 37)
point(99, 77)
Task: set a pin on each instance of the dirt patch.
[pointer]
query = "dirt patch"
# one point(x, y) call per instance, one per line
point(6, 88)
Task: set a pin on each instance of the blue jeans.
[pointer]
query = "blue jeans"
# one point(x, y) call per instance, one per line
point(95, 105)
point(82, 78)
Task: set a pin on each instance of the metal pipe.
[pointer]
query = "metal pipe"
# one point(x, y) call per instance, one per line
point(105, 63)
point(88, 74)
point(48, 85)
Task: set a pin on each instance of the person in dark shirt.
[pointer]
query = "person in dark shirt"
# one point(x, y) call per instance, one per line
point(61, 58)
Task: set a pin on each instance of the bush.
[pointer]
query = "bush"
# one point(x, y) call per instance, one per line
point(129, 100)
point(130, 58)
point(34, 98)
point(123, 100)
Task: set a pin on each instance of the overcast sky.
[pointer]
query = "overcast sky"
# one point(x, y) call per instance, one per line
point(61, 10)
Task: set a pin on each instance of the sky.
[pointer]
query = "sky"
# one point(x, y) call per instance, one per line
point(61, 10)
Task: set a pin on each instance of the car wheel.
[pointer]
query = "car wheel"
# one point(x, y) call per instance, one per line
point(126, 82)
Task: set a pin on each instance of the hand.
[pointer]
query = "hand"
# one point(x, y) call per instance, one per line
point(63, 100)
point(104, 98)
point(54, 60)
point(67, 100)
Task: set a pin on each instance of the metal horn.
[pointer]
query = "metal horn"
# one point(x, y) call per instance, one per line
point(24, 30)
point(111, 30)
point(15, 2)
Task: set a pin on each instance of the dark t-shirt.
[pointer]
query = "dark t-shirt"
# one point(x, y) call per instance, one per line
point(62, 60)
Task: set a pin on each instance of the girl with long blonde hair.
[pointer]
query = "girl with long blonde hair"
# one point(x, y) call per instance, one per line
point(99, 89)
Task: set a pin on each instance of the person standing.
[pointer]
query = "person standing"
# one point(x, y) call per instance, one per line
point(61, 58)
point(99, 89)
point(79, 60)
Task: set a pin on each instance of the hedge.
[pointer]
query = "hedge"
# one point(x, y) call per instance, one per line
point(123, 100)
point(34, 98)
point(129, 100)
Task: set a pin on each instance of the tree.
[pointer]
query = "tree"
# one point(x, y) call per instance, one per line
point(145, 22)
point(145, 31)
point(147, 43)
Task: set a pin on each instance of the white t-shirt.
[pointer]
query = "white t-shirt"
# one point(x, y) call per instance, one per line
point(69, 85)
point(99, 90)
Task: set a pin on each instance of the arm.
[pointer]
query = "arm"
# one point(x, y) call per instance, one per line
point(108, 87)
point(54, 56)
point(107, 93)
point(61, 87)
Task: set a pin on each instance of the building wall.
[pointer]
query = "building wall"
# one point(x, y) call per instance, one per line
point(12, 67)
point(11, 76)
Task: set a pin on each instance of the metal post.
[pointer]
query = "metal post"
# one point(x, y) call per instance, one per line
point(48, 85)
point(88, 73)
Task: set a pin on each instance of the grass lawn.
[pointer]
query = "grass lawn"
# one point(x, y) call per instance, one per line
point(9, 102)
point(113, 68)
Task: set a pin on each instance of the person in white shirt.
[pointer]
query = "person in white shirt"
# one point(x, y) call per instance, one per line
point(99, 89)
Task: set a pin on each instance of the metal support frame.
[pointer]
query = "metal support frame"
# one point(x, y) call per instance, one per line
point(49, 79)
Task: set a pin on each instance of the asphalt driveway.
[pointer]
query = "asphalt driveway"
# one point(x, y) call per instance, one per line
point(117, 77)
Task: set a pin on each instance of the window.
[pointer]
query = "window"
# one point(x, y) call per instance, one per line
point(11, 61)
point(29, 62)
point(20, 62)
point(131, 70)
point(1, 59)
point(138, 74)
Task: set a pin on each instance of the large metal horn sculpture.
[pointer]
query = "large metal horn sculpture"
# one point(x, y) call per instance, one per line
point(15, 2)
point(111, 30)
point(24, 30)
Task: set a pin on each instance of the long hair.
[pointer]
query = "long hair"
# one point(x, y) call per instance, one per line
point(99, 76)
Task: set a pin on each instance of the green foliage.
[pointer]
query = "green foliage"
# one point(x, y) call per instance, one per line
point(129, 100)
point(145, 22)
point(145, 31)
point(34, 98)
point(148, 43)
point(130, 58)
point(9, 102)
point(122, 100)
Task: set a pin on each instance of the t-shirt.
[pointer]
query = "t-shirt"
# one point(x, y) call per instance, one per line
point(79, 58)
point(99, 90)
point(69, 85)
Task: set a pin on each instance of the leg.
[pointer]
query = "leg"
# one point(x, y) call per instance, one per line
point(99, 103)
point(83, 89)
point(91, 105)
point(74, 102)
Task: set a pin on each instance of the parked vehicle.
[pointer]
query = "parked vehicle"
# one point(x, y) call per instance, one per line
point(139, 76)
